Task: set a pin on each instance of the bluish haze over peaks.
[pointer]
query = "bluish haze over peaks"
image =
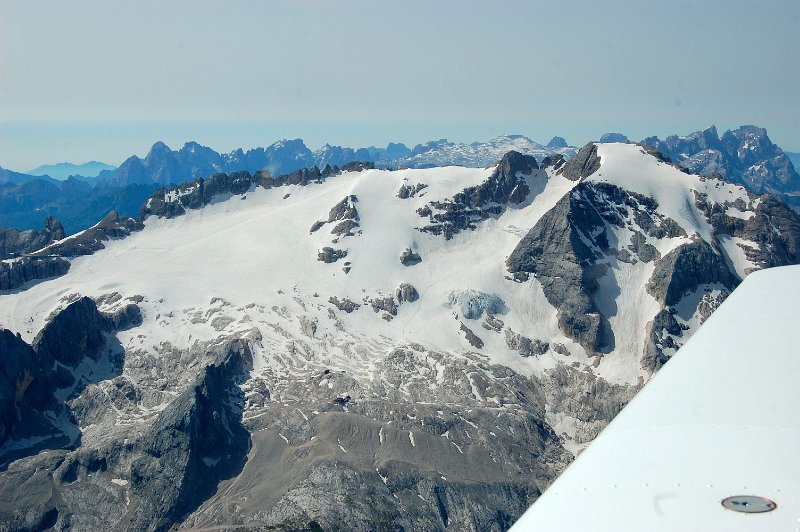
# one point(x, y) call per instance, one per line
point(102, 79)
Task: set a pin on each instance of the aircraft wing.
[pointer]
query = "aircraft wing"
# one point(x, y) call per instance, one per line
point(711, 443)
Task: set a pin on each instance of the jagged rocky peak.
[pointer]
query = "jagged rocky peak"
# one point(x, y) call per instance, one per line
point(686, 268)
point(745, 155)
point(53, 229)
point(194, 443)
point(507, 182)
point(584, 164)
point(553, 161)
point(18, 367)
point(113, 226)
point(74, 333)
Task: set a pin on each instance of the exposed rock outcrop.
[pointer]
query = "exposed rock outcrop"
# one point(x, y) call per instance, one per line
point(525, 346)
point(329, 255)
point(344, 304)
point(506, 185)
point(590, 400)
point(584, 164)
point(386, 304)
point(566, 248)
point(686, 268)
point(14, 242)
point(172, 202)
point(196, 441)
point(409, 257)
point(344, 210)
point(660, 333)
point(409, 191)
point(74, 333)
point(345, 213)
point(406, 293)
point(91, 240)
point(39, 377)
point(557, 253)
point(15, 274)
point(18, 367)
point(471, 337)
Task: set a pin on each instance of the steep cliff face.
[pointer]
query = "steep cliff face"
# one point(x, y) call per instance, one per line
point(14, 243)
point(194, 443)
point(560, 252)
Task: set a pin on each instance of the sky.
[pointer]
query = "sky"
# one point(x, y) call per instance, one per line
point(105, 79)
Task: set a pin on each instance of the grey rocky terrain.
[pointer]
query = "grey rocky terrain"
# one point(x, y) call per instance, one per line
point(14, 243)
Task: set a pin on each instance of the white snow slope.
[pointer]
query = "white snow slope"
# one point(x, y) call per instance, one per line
point(252, 261)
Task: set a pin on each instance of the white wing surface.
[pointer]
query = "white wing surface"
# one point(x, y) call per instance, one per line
point(719, 423)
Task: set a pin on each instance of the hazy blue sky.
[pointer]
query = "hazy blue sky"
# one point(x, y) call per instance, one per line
point(103, 79)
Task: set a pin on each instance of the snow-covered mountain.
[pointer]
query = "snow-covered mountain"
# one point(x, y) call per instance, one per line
point(479, 154)
point(413, 348)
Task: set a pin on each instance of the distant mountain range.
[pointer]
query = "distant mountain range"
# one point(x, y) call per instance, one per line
point(165, 166)
point(745, 156)
point(26, 202)
point(62, 171)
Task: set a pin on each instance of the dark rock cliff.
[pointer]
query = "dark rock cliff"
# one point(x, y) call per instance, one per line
point(196, 441)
